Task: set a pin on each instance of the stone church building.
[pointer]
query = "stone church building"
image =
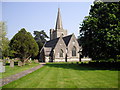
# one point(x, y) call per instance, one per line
point(61, 47)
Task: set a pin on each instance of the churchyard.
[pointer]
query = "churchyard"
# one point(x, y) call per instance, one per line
point(12, 67)
point(64, 55)
point(68, 75)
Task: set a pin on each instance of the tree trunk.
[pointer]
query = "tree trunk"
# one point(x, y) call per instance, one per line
point(25, 60)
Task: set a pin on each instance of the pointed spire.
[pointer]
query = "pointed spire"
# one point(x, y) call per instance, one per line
point(59, 21)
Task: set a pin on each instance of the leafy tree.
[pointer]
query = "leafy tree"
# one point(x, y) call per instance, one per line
point(23, 45)
point(4, 42)
point(40, 38)
point(100, 31)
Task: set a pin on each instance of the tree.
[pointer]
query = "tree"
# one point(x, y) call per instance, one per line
point(4, 42)
point(23, 45)
point(40, 38)
point(100, 31)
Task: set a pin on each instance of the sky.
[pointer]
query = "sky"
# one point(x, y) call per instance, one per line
point(36, 16)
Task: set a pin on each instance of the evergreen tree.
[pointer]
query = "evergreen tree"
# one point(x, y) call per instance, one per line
point(23, 45)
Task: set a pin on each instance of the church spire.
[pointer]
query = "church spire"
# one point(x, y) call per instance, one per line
point(59, 21)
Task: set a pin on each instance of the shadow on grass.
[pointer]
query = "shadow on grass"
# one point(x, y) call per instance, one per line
point(86, 66)
point(8, 64)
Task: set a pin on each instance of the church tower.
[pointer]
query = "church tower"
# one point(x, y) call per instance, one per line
point(58, 31)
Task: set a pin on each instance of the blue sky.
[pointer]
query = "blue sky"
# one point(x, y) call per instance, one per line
point(42, 16)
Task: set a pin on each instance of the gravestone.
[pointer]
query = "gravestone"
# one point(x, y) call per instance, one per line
point(11, 63)
point(4, 62)
point(2, 68)
point(36, 61)
point(19, 63)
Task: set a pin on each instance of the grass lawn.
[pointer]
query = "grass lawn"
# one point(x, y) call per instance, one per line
point(67, 76)
point(11, 71)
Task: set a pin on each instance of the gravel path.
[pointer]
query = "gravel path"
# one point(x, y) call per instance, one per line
point(7, 80)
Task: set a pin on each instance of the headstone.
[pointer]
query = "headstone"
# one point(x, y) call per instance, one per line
point(36, 61)
point(11, 63)
point(2, 68)
point(4, 62)
point(19, 63)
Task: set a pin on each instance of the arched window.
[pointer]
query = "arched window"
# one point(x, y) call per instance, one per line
point(74, 51)
point(61, 53)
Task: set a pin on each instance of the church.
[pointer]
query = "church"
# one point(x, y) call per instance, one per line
point(61, 47)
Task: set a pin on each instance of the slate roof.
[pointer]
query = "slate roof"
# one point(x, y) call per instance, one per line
point(67, 39)
point(52, 43)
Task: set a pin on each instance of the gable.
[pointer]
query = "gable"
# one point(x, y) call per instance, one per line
point(73, 42)
point(67, 39)
point(60, 46)
point(60, 43)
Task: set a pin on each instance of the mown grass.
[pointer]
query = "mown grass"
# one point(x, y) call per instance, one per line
point(16, 69)
point(67, 75)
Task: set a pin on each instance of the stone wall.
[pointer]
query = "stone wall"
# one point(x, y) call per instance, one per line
point(61, 32)
point(73, 59)
point(73, 43)
point(68, 60)
point(59, 60)
point(57, 33)
point(86, 59)
point(47, 59)
point(60, 45)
